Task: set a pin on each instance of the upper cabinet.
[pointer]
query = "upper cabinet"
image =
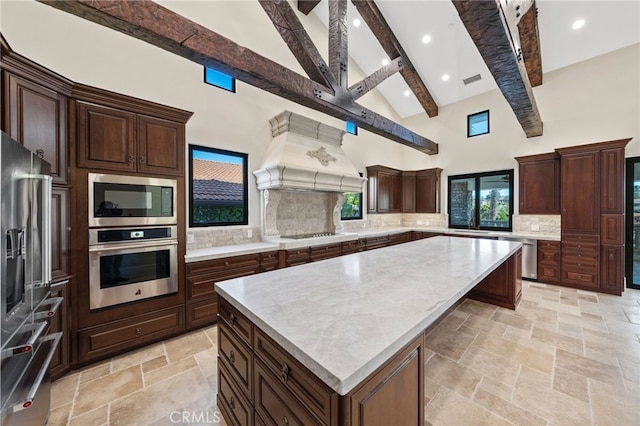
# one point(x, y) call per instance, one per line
point(580, 191)
point(119, 133)
point(396, 191)
point(35, 111)
point(539, 184)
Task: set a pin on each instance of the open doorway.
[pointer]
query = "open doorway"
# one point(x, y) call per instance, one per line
point(632, 210)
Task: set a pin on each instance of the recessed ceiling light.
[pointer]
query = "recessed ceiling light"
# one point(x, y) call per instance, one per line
point(578, 24)
point(385, 61)
point(407, 93)
point(356, 22)
point(426, 39)
point(445, 77)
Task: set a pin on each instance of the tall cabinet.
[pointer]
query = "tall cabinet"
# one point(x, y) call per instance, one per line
point(592, 212)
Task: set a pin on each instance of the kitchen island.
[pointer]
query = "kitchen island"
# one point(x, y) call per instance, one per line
point(341, 341)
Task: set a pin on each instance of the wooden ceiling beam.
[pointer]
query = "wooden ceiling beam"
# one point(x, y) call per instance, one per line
point(370, 82)
point(306, 6)
point(293, 33)
point(382, 31)
point(338, 41)
point(486, 24)
point(530, 45)
point(161, 27)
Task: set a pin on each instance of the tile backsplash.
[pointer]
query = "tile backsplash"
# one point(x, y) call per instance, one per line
point(531, 223)
point(214, 237)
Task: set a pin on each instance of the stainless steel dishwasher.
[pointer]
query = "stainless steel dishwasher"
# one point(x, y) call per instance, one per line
point(529, 256)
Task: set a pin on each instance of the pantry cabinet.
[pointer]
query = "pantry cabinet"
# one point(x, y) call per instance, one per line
point(539, 184)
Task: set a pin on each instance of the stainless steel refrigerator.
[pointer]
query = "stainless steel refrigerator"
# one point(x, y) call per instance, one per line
point(25, 274)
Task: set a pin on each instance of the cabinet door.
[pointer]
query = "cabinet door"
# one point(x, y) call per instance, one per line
point(60, 322)
point(539, 186)
point(384, 192)
point(106, 138)
point(408, 192)
point(59, 233)
point(372, 191)
point(612, 184)
point(428, 191)
point(37, 118)
point(580, 192)
point(160, 146)
point(396, 193)
point(612, 269)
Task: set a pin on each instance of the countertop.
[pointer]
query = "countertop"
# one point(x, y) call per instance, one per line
point(344, 317)
point(290, 243)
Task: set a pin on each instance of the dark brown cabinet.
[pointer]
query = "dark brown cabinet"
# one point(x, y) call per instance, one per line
point(408, 192)
point(201, 301)
point(549, 261)
point(60, 262)
point(428, 190)
point(60, 363)
point(592, 227)
point(384, 190)
point(325, 252)
point(539, 184)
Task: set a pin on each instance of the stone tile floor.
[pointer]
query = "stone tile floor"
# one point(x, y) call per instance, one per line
point(564, 357)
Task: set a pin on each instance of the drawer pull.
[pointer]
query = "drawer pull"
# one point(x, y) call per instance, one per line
point(611, 256)
point(132, 158)
point(285, 421)
point(284, 373)
point(138, 332)
point(226, 265)
point(232, 357)
point(142, 159)
point(232, 403)
point(232, 318)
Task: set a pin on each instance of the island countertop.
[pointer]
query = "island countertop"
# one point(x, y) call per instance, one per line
point(344, 317)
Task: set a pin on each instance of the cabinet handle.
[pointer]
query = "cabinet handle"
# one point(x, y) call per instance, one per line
point(142, 160)
point(232, 357)
point(40, 153)
point(285, 421)
point(232, 318)
point(611, 256)
point(226, 265)
point(284, 373)
point(138, 332)
point(132, 158)
point(232, 403)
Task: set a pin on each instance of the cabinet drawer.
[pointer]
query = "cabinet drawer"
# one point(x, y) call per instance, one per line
point(268, 261)
point(276, 404)
point(235, 408)
point(548, 256)
point(580, 277)
point(201, 313)
point(399, 238)
point(200, 286)
point(249, 261)
point(548, 274)
point(589, 261)
point(236, 321)
point(376, 242)
point(582, 248)
point(313, 393)
point(552, 245)
point(237, 357)
point(582, 239)
point(120, 335)
point(297, 257)
point(325, 252)
point(349, 247)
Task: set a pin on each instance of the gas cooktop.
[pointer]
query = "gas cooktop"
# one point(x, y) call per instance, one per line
point(315, 235)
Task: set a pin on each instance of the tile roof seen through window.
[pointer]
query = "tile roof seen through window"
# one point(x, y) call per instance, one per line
point(213, 180)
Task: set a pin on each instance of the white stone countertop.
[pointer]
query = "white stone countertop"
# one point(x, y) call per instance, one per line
point(344, 317)
point(226, 251)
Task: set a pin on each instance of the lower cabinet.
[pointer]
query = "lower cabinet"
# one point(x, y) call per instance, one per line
point(60, 363)
point(325, 252)
point(549, 261)
point(98, 342)
point(612, 268)
point(498, 288)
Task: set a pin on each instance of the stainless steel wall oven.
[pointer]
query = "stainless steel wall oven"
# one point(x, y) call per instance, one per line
point(129, 264)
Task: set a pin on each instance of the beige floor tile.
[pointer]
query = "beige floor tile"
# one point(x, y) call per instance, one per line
point(450, 409)
point(512, 320)
point(506, 410)
point(452, 375)
point(97, 417)
point(570, 330)
point(558, 340)
point(612, 345)
point(516, 352)
point(95, 371)
point(447, 342)
point(491, 365)
point(477, 308)
point(560, 307)
point(623, 328)
point(537, 377)
point(588, 367)
point(583, 322)
point(169, 370)
point(537, 314)
point(212, 334)
point(137, 357)
point(186, 345)
point(483, 324)
point(613, 407)
point(159, 400)
point(103, 390)
point(453, 321)
point(208, 361)
point(59, 416)
point(630, 370)
point(431, 388)
point(63, 391)
point(154, 364)
point(494, 387)
point(570, 383)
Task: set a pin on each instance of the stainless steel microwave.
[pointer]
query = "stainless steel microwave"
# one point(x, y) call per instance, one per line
point(117, 200)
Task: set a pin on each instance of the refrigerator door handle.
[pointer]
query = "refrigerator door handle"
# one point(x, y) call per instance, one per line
point(46, 227)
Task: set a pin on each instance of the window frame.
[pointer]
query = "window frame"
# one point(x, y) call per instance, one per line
point(232, 89)
point(476, 218)
point(470, 116)
point(245, 192)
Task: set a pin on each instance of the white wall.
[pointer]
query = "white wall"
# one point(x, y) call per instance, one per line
point(593, 101)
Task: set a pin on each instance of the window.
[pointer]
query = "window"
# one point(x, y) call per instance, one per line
point(351, 128)
point(219, 79)
point(217, 187)
point(352, 207)
point(478, 124)
point(481, 200)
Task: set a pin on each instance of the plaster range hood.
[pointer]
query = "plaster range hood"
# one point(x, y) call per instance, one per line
point(305, 154)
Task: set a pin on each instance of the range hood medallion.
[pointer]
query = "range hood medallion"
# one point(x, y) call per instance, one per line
point(305, 154)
